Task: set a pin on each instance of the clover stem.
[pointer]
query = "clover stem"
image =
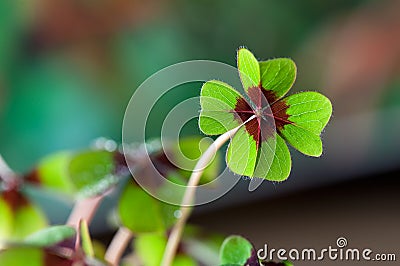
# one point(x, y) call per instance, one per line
point(188, 198)
point(84, 209)
point(6, 174)
point(118, 245)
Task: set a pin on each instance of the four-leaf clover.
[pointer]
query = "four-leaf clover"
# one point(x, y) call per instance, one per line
point(266, 118)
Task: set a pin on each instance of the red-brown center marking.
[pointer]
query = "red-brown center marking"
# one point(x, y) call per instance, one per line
point(262, 127)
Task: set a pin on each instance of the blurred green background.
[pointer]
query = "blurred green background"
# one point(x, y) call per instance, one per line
point(69, 67)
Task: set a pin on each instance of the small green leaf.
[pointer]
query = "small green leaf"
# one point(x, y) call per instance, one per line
point(140, 212)
point(249, 69)
point(183, 260)
point(28, 219)
point(22, 257)
point(50, 236)
point(92, 172)
point(150, 248)
point(241, 155)
point(277, 76)
point(52, 172)
point(19, 217)
point(279, 170)
point(87, 245)
point(236, 250)
point(6, 220)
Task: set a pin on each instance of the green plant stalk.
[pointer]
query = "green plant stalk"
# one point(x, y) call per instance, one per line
point(117, 246)
point(188, 198)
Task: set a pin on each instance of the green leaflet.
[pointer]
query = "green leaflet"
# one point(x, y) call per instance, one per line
point(242, 153)
point(26, 220)
point(18, 216)
point(52, 171)
point(140, 212)
point(277, 160)
point(82, 174)
point(22, 257)
point(278, 76)
point(6, 221)
point(235, 250)
point(249, 69)
point(144, 214)
point(310, 112)
point(92, 172)
point(258, 148)
point(50, 236)
point(217, 100)
point(150, 248)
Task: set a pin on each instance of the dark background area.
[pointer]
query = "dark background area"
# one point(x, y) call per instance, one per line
point(363, 211)
point(68, 69)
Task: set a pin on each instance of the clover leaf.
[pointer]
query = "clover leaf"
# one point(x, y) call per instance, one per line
point(81, 174)
point(18, 216)
point(237, 251)
point(266, 119)
point(140, 212)
point(50, 236)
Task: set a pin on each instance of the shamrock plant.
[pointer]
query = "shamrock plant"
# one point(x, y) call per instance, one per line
point(269, 119)
point(258, 124)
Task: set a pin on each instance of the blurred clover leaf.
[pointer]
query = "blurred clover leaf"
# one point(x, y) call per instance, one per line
point(150, 249)
point(139, 211)
point(82, 174)
point(266, 118)
point(93, 172)
point(142, 213)
point(50, 236)
point(36, 256)
point(18, 216)
point(237, 251)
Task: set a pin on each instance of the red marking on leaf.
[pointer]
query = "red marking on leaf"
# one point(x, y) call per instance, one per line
point(244, 112)
point(261, 128)
point(14, 198)
point(269, 95)
point(279, 109)
point(33, 177)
